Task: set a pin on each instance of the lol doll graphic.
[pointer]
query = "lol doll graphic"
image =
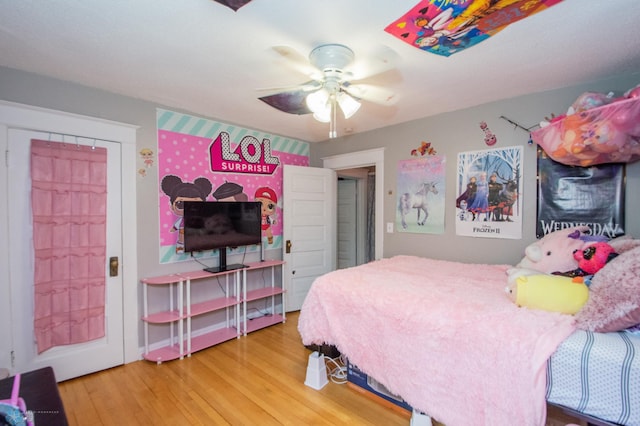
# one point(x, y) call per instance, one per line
point(147, 157)
point(269, 200)
point(230, 191)
point(179, 192)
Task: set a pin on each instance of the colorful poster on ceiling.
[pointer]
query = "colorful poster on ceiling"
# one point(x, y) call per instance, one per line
point(571, 196)
point(201, 159)
point(489, 189)
point(421, 190)
point(445, 27)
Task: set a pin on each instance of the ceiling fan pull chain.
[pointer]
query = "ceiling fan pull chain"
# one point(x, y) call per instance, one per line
point(333, 132)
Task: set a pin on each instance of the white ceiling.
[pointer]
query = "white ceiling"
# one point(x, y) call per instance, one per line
point(203, 57)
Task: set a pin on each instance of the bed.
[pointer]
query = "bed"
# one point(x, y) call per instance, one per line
point(444, 336)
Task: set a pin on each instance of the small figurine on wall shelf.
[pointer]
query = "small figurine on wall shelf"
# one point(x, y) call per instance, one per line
point(424, 148)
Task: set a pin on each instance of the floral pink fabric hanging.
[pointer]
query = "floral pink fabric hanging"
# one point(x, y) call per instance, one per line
point(68, 197)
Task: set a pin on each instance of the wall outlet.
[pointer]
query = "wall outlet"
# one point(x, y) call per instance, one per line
point(389, 227)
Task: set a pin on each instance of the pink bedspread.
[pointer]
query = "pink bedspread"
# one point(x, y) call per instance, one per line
point(443, 335)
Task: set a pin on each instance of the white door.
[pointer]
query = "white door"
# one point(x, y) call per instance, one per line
point(347, 223)
point(71, 360)
point(309, 221)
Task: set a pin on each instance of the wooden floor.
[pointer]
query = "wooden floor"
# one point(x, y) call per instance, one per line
point(255, 380)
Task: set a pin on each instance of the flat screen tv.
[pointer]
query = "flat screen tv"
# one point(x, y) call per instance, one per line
point(210, 225)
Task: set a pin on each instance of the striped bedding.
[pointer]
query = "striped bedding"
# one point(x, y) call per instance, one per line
point(597, 374)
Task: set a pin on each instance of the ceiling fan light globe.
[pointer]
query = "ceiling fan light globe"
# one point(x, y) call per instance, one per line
point(323, 116)
point(348, 104)
point(317, 101)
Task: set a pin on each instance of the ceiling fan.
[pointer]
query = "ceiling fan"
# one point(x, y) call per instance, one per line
point(336, 83)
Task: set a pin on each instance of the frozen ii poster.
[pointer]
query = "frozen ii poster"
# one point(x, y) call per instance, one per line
point(489, 190)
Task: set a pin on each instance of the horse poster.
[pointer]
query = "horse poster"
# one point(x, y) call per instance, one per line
point(489, 202)
point(421, 190)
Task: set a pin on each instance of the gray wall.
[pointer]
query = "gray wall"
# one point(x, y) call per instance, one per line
point(459, 131)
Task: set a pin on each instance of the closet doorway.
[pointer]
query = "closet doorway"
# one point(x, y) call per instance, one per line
point(356, 216)
point(373, 161)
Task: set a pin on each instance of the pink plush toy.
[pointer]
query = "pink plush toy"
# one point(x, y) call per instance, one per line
point(552, 253)
point(590, 260)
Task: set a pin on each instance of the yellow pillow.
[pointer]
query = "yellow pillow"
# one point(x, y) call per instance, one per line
point(547, 292)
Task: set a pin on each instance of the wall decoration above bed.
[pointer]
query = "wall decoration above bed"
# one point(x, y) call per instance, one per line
point(489, 188)
point(421, 189)
point(571, 196)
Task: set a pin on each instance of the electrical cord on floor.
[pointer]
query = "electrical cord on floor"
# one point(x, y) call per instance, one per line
point(262, 313)
point(337, 369)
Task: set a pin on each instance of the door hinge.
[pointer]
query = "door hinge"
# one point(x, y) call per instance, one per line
point(13, 359)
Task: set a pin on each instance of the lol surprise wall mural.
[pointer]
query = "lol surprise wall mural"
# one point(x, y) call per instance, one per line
point(201, 159)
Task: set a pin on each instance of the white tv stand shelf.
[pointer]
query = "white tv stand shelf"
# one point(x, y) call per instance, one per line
point(178, 317)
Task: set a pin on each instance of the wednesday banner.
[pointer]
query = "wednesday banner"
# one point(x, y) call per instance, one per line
point(571, 196)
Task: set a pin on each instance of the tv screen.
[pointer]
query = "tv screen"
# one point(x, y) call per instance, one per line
point(212, 225)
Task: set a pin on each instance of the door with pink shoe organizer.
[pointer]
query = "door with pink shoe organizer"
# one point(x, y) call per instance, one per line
point(93, 305)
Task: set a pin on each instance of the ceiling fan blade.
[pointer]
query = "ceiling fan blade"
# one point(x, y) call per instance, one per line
point(292, 102)
point(380, 60)
point(307, 87)
point(297, 61)
point(371, 93)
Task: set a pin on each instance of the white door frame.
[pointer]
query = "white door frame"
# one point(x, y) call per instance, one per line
point(14, 115)
point(370, 157)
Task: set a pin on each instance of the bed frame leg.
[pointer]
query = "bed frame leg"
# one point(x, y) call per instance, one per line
point(316, 371)
point(418, 418)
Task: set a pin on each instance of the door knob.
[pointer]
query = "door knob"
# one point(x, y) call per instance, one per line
point(113, 266)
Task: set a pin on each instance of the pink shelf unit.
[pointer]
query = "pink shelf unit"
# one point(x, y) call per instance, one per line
point(262, 322)
point(230, 305)
point(177, 319)
point(162, 317)
point(181, 310)
point(212, 338)
point(166, 353)
point(173, 318)
point(268, 291)
point(212, 305)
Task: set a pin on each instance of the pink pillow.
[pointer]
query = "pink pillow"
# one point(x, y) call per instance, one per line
point(624, 243)
point(614, 295)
